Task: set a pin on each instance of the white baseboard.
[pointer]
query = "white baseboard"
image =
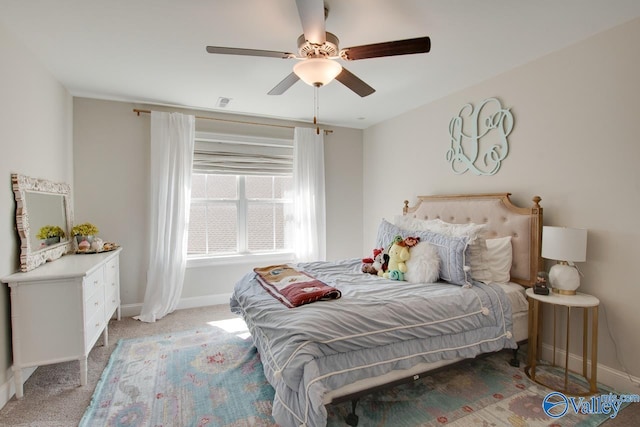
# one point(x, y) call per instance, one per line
point(204, 301)
point(131, 310)
point(8, 389)
point(619, 381)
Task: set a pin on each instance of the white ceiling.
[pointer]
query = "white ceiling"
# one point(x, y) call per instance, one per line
point(153, 51)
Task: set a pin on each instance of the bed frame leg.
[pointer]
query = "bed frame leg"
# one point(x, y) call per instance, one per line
point(352, 418)
point(515, 362)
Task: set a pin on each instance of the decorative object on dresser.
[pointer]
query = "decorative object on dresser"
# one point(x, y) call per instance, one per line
point(84, 234)
point(59, 310)
point(41, 203)
point(565, 245)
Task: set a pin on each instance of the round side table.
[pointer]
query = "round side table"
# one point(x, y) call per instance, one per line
point(580, 300)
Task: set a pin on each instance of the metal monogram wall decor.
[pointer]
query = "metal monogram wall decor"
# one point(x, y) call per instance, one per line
point(479, 138)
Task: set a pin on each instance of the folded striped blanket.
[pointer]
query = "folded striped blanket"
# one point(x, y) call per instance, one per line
point(293, 287)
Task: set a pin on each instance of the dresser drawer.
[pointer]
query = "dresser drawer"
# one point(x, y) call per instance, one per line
point(112, 271)
point(93, 284)
point(94, 304)
point(112, 299)
point(93, 327)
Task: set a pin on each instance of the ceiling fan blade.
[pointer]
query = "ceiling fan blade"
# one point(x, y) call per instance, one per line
point(285, 84)
point(249, 52)
point(377, 50)
point(354, 83)
point(312, 18)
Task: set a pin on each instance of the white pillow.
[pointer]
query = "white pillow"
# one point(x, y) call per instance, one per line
point(499, 258)
point(475, 232)
point(423, 266)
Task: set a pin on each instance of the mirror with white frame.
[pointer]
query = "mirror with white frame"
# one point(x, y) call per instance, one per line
point(41, 206)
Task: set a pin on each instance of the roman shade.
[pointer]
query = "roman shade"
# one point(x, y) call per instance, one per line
point(242, 155)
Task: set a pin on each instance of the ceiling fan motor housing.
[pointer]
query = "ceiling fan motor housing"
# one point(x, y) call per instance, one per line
point(310, 50)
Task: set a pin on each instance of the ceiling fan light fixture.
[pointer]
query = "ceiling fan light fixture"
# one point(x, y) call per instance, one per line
point(317, 71)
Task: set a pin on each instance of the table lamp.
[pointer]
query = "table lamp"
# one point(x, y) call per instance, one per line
point(566, 246)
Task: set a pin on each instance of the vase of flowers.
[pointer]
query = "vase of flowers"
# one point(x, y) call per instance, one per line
point(50, 234)
point(84, 232)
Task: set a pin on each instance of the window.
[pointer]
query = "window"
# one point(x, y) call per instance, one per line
point(239, 214)
point(241, 197)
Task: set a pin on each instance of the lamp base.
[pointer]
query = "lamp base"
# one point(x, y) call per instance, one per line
point(564, 279)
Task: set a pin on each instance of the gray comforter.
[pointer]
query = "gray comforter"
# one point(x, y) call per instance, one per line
point(377, 326)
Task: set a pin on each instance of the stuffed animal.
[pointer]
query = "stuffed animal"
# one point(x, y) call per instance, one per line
point(398, 254)
point(367, 267)
point(380, 260)
point(396, 275)
point(411, 241)
point(377, 263)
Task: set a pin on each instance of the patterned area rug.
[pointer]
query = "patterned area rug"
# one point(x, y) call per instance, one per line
point(213, 377)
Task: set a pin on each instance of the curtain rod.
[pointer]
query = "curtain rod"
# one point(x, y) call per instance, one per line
point(326, 131)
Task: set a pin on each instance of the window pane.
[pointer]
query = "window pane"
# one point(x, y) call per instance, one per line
point(288, 225)
point(197, 232)
point(283, 186)
point(279, 227)
point(260, 223)
point(198, 183)
point(222, 228)
point(259, 187)
point(222, 186)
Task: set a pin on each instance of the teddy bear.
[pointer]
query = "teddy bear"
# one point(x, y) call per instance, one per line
point(398, 254)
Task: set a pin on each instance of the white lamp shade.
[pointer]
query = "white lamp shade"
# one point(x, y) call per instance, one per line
point(317, 71)
point(564, 244)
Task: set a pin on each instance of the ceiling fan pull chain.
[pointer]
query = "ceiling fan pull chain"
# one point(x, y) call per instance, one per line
point(316, 108)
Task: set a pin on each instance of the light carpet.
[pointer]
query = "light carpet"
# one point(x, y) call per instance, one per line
point(213, 376)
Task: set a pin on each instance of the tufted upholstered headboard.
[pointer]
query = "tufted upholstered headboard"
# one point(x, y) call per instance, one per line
point(503, 218)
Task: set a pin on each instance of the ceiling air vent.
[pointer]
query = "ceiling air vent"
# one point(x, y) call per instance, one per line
point(223, 102)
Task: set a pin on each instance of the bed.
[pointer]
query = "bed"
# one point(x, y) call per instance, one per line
point(381, 331)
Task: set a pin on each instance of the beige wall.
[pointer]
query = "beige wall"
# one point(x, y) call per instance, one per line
point(111, 151)
point(35, 136)
point(575, 143)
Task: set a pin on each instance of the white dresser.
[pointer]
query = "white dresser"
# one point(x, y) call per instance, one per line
point(59, 310)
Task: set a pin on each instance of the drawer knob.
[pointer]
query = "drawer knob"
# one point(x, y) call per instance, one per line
point(97, 303)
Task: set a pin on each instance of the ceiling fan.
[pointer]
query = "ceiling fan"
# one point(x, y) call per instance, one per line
point(318, 51)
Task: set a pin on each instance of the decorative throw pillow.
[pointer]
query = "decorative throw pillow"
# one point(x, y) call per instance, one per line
point(499, 258)
point(475, 232)
point(424, 264)
point(451, 250)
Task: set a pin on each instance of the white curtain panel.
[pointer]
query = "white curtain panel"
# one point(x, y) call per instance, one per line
point(172, 141)
point(309, 196)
